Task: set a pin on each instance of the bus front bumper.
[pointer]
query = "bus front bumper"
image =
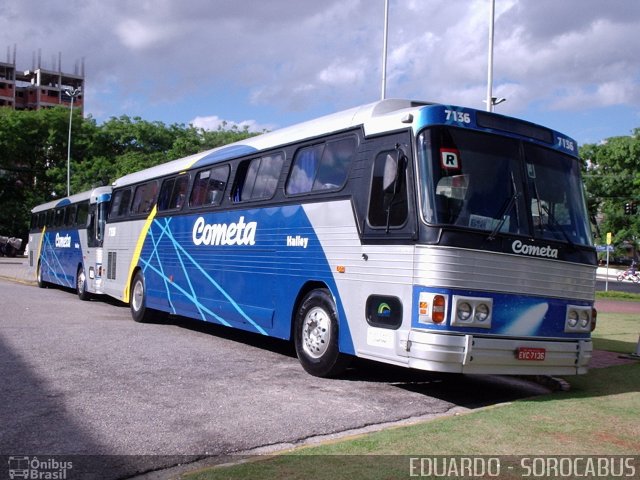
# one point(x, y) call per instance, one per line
point(490, 355)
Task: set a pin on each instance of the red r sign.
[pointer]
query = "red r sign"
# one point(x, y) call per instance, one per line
point(450, 158)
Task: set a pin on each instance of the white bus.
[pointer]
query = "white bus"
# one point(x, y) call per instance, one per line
point(428, 236)
point(66, 241)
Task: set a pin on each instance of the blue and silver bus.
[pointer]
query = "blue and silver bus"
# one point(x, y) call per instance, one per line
point(66, 241)
point(422, 235)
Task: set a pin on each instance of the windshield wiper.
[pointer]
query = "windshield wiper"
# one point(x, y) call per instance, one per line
point(552, 219)
point(557, 225)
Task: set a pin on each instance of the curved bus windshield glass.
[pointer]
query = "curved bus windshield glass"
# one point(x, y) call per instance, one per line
point(500, 185)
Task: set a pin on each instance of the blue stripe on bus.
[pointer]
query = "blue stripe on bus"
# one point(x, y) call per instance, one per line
point(59, 264)
point(516, 316)
point(251, 286)
point(224, 153)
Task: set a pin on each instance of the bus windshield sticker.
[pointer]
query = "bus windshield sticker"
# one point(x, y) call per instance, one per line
point(450, 158)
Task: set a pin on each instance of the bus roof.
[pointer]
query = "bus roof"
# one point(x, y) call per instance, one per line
point(91, 195)
point(378, 117)
point(313, 128)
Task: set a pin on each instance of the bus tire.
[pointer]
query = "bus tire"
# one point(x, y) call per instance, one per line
point(316, 335)
point(138, 301)
point(41, 283)
point(81, 285)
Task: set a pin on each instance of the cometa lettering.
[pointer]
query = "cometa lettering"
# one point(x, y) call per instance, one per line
point(63, 242)
point(239, 233)
point(534, 250)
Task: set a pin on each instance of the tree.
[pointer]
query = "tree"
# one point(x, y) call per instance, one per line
point(612, 180)
point(33, 155)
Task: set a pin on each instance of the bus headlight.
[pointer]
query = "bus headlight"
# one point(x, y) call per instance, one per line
point(463, 311)
point(579, 319)
point(584, 319)
point(472, 311)
point(482, 312)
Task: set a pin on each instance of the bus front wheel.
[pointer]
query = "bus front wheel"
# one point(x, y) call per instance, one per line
point(41, 283)
point(138, 301)
point(81, 285)
point(316, 335)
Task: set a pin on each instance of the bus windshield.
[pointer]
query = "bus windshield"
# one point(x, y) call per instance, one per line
point(501, 185)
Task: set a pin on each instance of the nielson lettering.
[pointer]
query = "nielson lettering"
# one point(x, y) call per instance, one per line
point(534, 250)
point(239, 233)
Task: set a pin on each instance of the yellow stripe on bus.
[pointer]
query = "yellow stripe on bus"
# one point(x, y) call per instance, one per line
point(137, 251)
point(44, 229)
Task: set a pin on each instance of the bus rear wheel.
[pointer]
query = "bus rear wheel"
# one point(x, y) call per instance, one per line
point(316, 335)
point(138, 301)
point(81, 285)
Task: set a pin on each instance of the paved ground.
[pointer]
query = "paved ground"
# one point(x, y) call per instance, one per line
point(617, 306)
point(83, 378)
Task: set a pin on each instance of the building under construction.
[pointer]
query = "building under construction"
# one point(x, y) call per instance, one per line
point(40, 87)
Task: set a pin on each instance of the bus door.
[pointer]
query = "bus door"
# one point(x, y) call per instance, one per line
point(95, 235)
point(389, 233)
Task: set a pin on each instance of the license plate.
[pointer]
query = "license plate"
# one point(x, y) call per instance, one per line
point(529, 354)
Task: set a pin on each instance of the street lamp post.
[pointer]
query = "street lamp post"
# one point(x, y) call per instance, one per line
point(489, 100)
point(384, 49)
point(73, 93)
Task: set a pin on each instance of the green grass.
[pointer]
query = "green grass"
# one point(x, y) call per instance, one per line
point(598, 416)
point(617, 332)
point(614, 295)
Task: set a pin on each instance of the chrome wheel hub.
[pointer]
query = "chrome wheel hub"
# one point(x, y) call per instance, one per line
point(137, 296)
point(316, 332)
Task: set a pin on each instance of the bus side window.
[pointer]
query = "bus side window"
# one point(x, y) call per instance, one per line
point(258, 178)
point(173, 193)
point(321, 167)
point(179, 192)
point(144, 198)
point(334, 166)
point(303, 170)
point(208, 187)
point(59, 218)
point(165, 193)
point(120, 203)
point(83, 213)
point(199, 191)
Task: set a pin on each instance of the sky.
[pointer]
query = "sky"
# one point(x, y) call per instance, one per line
point(572, 65)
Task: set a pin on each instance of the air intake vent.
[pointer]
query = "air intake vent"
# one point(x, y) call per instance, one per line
point(111, 265)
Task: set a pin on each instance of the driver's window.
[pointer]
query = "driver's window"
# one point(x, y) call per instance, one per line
point(383, 203)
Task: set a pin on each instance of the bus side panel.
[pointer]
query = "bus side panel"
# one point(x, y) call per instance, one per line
point(60, 256)
point(117, 257)
point(380, 275)
point(240, 268)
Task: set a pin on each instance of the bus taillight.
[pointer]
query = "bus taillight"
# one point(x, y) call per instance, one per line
point(437, 314)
